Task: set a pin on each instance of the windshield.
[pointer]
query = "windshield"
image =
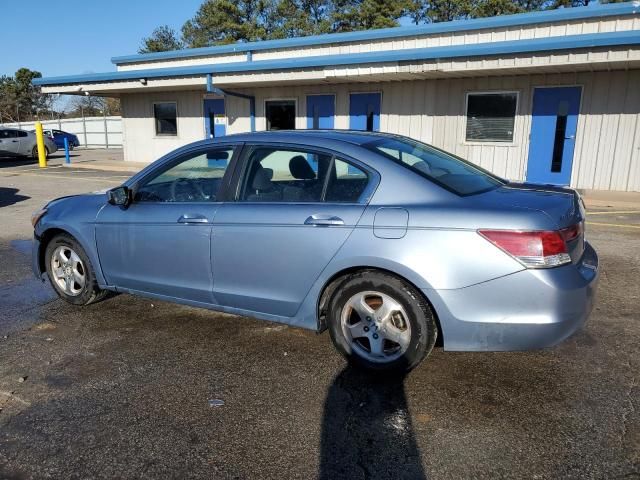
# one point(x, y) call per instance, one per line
point(448, 171)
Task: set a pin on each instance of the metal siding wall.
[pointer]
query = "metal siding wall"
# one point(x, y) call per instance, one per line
point(575, 27)
point(141, 143)
point(607, 153)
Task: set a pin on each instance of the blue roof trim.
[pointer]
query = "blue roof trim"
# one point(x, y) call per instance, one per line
point(564, 14)
point(480, 49)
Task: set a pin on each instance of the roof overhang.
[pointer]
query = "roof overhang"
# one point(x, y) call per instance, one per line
point(568, 53)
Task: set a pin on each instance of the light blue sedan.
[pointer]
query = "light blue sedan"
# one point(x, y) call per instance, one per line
point(386, 242)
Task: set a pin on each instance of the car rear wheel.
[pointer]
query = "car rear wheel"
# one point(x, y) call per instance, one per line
point(380, 322)
point(70, 271)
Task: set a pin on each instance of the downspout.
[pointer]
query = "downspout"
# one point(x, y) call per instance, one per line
point(224, 93)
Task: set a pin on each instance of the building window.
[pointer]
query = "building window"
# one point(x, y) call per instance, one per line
point(491, 116)
point(280, 114)
point(166, 117)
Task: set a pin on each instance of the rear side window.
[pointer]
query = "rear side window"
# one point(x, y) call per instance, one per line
point(444, 169)
point(22, 134)
point(300, 176)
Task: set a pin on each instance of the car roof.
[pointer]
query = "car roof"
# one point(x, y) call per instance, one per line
point(355, 137)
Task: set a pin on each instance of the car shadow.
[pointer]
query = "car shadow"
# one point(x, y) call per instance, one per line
point(8, 162)
point(10, 196)
point(367, 430)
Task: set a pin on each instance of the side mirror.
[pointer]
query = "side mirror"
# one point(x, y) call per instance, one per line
point(119, 196)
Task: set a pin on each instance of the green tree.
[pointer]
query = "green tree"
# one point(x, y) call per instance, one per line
point(299, 18)
point(162, 39)
point(227, 21)
point(352, 15)
point(20, 99)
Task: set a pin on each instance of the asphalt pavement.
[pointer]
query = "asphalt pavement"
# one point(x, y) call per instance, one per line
point(133, 388)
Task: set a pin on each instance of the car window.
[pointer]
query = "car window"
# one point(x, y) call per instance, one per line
point(22, 133)
point(8, 133)
point(298, 176)
point(282, 175)
point(196, 178)
point(446, 170)
point(346, 183)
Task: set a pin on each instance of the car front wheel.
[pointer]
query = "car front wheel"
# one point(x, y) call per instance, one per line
point(70, 271)
point(34, 152)
point(381, 322)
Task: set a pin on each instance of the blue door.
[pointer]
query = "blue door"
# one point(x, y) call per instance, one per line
point(553, 134)
point(364, 111)
point(320, 111)
point(214, 118)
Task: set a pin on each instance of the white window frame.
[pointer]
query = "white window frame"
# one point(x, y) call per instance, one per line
point(153, 115)
point(513, 142)
point(281, 99)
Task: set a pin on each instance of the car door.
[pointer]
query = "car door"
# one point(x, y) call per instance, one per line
point(160, 244)
point(291, 214)
point(9, 142)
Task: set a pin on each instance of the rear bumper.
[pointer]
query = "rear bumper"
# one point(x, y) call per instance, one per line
point(526, 310)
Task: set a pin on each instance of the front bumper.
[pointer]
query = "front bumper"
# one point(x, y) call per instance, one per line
point(35, 257)
point(526, 310)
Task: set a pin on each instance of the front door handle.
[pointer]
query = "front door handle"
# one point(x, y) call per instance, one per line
point(191, 218)
point(325, 220)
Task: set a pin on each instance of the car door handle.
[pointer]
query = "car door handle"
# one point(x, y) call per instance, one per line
point(14, 141)
point(190, 218)
point(325, 220)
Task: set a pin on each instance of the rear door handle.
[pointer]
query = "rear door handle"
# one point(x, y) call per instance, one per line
point(191, 218)
point(325, 220)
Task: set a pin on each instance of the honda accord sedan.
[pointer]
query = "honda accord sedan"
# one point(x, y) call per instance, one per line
point(386, 242)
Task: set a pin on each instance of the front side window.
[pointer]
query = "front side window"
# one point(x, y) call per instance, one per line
point(297, 176)
point(22, 133)
point(491, 116)
point(280, 114)
point(197, 178)
point(8, 133)
point(166, 118)
point(446, 170)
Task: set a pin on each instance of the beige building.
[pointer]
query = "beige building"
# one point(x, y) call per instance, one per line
point(550, 97)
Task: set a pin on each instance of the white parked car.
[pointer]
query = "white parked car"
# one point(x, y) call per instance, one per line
point(20, 143)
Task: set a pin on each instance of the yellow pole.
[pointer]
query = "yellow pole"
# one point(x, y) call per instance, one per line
point(42, 153)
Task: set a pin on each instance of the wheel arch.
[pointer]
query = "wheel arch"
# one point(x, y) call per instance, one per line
point(332, 284)
point(45, 237)
point(51, 231)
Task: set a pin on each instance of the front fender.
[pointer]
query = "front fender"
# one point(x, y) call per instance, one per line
point(76, 217)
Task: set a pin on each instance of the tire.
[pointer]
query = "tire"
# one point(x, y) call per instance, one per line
point(71, 147)
point(34, 152)
point(409, 320)
point(77, 268)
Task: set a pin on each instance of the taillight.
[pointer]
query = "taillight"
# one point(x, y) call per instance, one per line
point(534, 249)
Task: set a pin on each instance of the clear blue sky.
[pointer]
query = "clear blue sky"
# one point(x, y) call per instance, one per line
point(66, 37)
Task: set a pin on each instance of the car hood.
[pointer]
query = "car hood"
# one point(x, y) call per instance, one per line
point(562, 205)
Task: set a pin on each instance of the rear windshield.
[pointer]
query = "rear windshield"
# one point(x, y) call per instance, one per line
point(446, 170)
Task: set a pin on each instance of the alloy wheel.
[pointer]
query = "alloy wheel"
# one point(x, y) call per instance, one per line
point(68, 271)
point(376, 326)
